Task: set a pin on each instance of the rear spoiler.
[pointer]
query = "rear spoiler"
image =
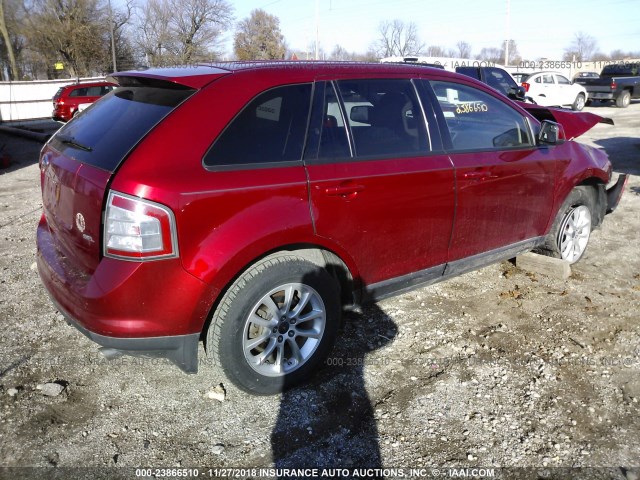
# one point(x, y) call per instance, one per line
point(574, 123)
point(187, 77)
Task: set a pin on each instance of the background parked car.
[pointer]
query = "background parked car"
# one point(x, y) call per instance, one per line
point(619, 82)
point(520, 76)
point(497, 78)
point(68, 99)
point(551, 89)
point(581, 77)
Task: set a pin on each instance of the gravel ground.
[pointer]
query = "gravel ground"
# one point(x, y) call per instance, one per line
point(496, 368)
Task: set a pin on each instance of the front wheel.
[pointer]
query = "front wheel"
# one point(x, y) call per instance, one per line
point(571, 230)
point(275, 324)
point(579, 103)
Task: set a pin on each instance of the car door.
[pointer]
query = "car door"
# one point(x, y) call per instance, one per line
point(381, 188)
point(565, 91)
point(541, 89)
point(504, 181)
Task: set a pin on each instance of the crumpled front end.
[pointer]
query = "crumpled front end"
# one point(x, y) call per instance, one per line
point(574, 123)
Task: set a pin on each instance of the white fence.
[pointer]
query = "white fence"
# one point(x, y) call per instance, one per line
point(30, 100)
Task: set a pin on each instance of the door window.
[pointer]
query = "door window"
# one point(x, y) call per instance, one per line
point(479, 121)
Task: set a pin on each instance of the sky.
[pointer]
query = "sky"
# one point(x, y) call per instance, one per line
point(541, 28)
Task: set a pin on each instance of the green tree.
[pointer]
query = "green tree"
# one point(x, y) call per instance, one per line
point(258, 37)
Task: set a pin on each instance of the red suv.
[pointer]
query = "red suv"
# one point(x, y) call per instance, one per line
point(72, 99)
point(246, 204)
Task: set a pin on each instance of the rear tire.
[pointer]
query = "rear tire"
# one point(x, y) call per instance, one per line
point(579, 103)
point(275, 324)
point(624, 99)
point(571, 229)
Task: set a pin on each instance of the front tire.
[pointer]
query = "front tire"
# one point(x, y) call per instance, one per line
point(275, 324)
point(579, 103)
point(571, 230)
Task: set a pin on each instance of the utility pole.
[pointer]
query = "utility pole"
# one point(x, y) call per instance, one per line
point(113, 41)
point(507, 34)
point(317, 29)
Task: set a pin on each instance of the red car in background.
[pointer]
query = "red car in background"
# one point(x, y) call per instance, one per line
point(244, 204)
point(72, 99)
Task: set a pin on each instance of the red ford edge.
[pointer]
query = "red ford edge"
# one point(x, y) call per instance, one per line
point(246, 204)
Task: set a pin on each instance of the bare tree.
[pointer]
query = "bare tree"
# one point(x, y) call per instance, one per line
point(74, 31)
point(464, 49)
point(197, 26)
point(154, 32)
point(398, 38)
point(7, 14)
point(491, 54)
point(435, 51)
point(514, 55)
point(581, 48)
point(342, 54)
point(181, 31)
point(258, 37)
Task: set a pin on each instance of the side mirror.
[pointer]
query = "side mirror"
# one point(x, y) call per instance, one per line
point(360, 113)
point(517, 93)
point(551, 133)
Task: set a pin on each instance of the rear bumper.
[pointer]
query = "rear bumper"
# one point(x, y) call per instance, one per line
point(182, 350)
point(61, 114)
point(614, 194)
point(152, 308)
point(600, 96)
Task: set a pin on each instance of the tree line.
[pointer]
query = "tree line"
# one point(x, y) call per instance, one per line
point(73, 38)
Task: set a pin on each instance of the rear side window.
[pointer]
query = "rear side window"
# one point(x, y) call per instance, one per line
point(478, 121)
point(78, 92)
point(500, 80)
point(547, 78)
point(103, 135)
point(94, 91)
point(472, 72)
point(384, 116)
point(621, 69)
point(270, 129)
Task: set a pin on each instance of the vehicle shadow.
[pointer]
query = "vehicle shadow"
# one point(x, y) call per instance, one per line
point(607, 103)
point(329, 422)
point(17, 152)
point(623, 153)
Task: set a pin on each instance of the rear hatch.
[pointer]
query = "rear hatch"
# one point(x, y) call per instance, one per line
point(78, 162)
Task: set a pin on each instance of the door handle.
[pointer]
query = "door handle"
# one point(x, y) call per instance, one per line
point(344, 190)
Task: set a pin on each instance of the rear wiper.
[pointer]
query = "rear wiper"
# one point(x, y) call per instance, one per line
point(69, 140)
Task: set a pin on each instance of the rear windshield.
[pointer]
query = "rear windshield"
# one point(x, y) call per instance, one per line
point(621, 69)
point(472, 72)
point(105, 133)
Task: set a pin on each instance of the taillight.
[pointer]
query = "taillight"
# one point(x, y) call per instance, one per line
point(613, 84)
point(526, 86)
point(137, 229)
